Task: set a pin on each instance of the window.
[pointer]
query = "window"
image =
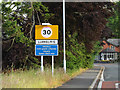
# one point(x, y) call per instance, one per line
point(112, 47)
point(112, 56)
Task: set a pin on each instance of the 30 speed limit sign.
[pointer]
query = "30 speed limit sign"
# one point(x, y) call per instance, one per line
point(46, 32)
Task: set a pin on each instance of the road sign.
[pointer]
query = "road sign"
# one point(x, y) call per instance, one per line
point(44, 42)
point(46, 50)
point(46, 32)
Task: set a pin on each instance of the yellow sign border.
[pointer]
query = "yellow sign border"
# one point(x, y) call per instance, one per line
point(39, 36)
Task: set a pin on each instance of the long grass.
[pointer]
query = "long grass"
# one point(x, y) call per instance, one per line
point(34, 78)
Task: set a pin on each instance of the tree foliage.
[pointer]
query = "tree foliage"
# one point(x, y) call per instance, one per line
point(114, 21)
point(18, 21)
point(87, 19)
point(84, 25)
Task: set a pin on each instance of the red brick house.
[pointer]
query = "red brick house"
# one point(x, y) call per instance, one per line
point(111, 50)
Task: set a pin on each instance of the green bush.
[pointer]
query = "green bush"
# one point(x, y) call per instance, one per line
point(76, 54)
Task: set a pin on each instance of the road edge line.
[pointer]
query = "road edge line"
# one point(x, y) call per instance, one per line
point(94, 82)
point(101, 79)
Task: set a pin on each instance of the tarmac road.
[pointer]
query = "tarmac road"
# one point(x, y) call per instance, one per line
point(83, 80)
point(111, 74)
point(111, 71)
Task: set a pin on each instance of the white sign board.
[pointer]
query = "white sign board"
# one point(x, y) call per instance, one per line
point(46, 42)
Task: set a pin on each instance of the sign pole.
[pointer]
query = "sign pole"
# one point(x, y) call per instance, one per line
point(52, 65)
point(64, 61)
point(41, 63)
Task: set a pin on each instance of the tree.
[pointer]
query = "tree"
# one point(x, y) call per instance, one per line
point(87, 19)
point(84, 24)
point(106, 33)
point(114, 21)
point(18, 20)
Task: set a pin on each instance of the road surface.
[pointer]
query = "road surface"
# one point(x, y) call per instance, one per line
point(83, 80)
point(111, 74)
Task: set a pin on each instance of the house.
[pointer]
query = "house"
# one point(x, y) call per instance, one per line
point(111, 50)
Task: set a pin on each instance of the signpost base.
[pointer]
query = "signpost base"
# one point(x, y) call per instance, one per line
point(64, 66)
point(42, 64)
point(52, 65)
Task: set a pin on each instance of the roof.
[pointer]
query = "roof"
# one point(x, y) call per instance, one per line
point(115, 42)
point(108, 50)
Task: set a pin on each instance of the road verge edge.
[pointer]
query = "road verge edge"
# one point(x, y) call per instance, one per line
point(99, 76)
point(101, 79)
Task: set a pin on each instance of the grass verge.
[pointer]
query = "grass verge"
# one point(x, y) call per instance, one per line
point(34, 78)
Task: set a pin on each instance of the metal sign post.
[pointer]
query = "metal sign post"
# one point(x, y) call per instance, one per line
point(42, 64)
point(64, 61)
point(52, 65)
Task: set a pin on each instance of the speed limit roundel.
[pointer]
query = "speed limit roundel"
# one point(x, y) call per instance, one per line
point(46, 32)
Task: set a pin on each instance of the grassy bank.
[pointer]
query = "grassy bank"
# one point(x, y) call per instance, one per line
point(35, 79)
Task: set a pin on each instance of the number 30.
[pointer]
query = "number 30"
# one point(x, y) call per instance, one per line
point(46, 32)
